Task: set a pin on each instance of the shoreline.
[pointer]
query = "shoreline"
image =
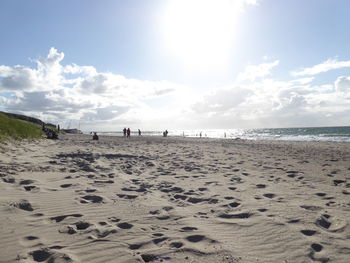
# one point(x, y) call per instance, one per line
point(175, 199)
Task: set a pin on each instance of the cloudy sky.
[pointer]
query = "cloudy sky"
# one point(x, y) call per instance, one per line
point(176, 64)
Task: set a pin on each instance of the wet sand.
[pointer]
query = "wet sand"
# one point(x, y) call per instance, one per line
point(154, 199)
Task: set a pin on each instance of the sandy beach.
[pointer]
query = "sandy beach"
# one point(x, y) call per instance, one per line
point(154, 199)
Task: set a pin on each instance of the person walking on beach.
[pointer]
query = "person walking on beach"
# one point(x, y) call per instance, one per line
point(128, 133)
point(124, 132)
point(139, 132)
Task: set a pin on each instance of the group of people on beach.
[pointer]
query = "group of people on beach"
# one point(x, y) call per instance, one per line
point(127, 132)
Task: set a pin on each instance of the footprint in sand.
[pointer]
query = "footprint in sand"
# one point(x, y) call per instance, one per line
point(308, 232)
point(31, 188)
point(101, 182)
point(293, 221)
point(26, 182)
point(60, 218)
point(159, 240)
point(128, 197)
point(269, 195)
point(67, 230)
point(66, 185)
point(338, 182)
point(235, 216)
point(91, 199)
point(50, 255)
point(9, 179)
point(125, 225)
point(163, 217)
point(81, 225)
point(195, 200)
point(99, 233)
point(195, 238)
point(316, 247)
point(199, 238)
point(331, 223)
point(188, 229)
point(150, 257)
point(176, 244)
point(23, 205)
point(135, 246)
point(167, 208)
point(233, 204)
point(113, 219)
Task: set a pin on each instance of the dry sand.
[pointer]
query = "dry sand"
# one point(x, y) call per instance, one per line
point(153, 199)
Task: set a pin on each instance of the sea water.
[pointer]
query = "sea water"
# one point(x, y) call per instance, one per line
point(335, 134)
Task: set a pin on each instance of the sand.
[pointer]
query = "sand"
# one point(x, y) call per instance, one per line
point(153, 199)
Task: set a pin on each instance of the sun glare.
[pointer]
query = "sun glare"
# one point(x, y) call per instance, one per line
point(200, 32)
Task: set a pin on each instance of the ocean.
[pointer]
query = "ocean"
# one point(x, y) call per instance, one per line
point(332, 134)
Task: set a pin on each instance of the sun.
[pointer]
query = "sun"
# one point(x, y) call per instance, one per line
point(200, 32)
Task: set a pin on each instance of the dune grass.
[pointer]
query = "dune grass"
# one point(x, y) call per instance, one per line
point(18, 129)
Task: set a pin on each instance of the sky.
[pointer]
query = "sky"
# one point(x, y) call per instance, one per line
point(176, 64)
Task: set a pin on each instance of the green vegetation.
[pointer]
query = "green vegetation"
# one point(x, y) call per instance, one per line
point(18, 129)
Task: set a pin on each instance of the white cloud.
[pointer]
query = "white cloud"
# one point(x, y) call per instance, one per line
point(274, 103)
point(328, 65)
point(242, 4)
point(303, 81)
point(222, 100)
point(53, 91)
point(253, 72)
point(16, 78)
point(104, 101)
point(342, 84)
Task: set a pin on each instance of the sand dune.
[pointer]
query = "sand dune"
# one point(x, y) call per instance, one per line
point(150, 199)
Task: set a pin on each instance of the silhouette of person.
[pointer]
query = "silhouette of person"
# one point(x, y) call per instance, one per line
point(124, 132)
point(95, 137)
point(165, 134)
point(128, 133)
point(139, 132)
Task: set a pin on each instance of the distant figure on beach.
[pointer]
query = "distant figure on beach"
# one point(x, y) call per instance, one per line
point(124, 132)
point(200, 135)
point(58, 128)
point(139, 132)
point(95, 137)
point(225, 134)
point(128, 133)
point(165, 134)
